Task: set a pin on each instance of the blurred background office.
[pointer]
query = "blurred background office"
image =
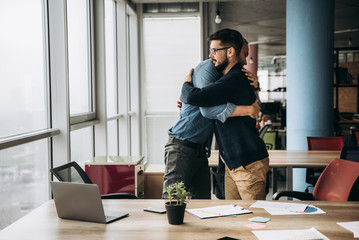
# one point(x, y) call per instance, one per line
point(85, 78)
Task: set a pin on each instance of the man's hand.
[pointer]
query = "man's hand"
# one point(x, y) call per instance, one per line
point(252, 78)
point(179, 104)
point(189, 76)
point(254, 110)
point(247, 110)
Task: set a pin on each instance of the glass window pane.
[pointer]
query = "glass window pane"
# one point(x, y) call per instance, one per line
point(24, 180)
point(171, 49)
point(112, 139)
point(110, 58)
point(22, 69)
point(79, 58)
point(82, 145)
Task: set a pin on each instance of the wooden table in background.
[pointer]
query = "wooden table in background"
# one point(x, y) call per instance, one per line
point(290, 159)
point(43, 223)
point(277, 158)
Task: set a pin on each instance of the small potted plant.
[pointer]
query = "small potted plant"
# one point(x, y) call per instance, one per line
point(176, 194)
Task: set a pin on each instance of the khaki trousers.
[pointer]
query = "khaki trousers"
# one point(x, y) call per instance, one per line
point(247, 183)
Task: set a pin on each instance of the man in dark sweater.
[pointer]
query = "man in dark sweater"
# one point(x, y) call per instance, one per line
point(241, 148)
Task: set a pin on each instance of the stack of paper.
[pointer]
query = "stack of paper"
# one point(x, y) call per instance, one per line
point(351, 226)
point(218, 211)
point(283, 208)
point(299, 234)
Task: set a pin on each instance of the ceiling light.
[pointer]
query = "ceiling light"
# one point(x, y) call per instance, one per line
point(350, 41)
point(218, 19)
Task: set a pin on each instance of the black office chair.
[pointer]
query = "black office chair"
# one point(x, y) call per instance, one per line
point(351, 153)
point(72, 172)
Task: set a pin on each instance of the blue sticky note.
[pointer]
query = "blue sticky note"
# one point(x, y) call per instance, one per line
point(310, 209)
point(259, 219)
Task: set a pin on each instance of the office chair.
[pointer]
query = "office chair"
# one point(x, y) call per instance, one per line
point(350, 153)
point(72, 172)
point(267, 137)
point(334, 184)
point(355, 135)
point(321, 143)
point(263, 130)
point(270, 138)
point(325, 143)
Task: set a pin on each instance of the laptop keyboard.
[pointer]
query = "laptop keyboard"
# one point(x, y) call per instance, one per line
point(109, 218)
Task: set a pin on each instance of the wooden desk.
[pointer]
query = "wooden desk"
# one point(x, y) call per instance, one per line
point(289, 159)
point(43, 223)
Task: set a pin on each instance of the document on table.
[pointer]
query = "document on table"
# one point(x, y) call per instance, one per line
point(281, 208)
point(218, 211)
point(351, 226)
point(298, 234)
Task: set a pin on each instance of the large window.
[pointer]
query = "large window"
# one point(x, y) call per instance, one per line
point(111, 77)
point(23, 102)
point(122, 79)
point(172, 46)
point(23, 179)
point(79, 55)
point(82, 145)
point(23, 106)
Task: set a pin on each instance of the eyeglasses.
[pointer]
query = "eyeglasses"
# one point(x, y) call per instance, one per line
point(214, 50)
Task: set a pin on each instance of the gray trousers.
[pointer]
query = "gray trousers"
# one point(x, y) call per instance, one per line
point(189, 165)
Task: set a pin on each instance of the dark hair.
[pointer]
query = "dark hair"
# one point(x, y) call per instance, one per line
point(228, 37)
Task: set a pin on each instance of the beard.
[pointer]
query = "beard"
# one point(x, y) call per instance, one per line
point(222, 66)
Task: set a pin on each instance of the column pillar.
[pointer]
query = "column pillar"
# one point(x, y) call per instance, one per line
point(252, 59)
point(310, 43)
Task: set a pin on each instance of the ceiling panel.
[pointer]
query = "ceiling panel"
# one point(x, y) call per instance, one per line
point(265, 20)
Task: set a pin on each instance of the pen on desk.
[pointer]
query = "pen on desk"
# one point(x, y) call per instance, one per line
point(208, 212)
point(242, 208)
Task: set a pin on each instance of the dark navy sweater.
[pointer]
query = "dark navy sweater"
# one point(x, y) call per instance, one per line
point(238, 138)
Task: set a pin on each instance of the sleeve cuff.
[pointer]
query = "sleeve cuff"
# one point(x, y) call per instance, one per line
point(227, 112)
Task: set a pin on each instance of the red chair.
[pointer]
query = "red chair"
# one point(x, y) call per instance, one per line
point(325, 143)
point(321, 143)
point(334, 184)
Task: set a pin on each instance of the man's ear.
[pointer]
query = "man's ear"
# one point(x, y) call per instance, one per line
point(231, 52)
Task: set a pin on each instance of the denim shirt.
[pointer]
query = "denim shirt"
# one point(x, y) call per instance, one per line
point(192, 126)
point(238, 139)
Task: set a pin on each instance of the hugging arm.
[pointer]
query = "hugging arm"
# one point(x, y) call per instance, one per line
point(225, 110)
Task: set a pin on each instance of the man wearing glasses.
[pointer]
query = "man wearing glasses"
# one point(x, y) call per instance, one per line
point(190, 138)
point(241, 148)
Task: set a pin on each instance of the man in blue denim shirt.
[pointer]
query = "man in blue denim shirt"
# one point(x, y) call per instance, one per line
point(190, 138)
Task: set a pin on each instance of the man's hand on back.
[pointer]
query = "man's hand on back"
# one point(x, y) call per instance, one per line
point(179, 104)
point(189, 76)
point(252, 78)
point(255, 110)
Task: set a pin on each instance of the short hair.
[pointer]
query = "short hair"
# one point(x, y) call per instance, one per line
point(229, 37)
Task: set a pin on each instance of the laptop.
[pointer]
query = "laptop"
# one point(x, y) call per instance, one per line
point(80, 201)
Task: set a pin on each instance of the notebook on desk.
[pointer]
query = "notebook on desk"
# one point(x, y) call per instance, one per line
point(80, 201)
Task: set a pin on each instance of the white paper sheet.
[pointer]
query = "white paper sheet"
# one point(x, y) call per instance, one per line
point(295, 207)
point(351, 226)
point(298, 234)
point(218, 211)
point(273, 211)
